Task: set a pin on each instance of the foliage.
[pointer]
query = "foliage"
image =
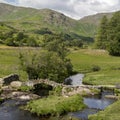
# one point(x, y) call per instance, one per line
point(55, 105)
point(82, 61)
point(101, 37)
point(117, 92)
point(50, 63)
point(17, 38)
point(25, 88)
point(44, 65)
point(108, 36)
point(43, 31)
point(56, 43)
point(114, 35)
point(95, 68)
point(56, 91)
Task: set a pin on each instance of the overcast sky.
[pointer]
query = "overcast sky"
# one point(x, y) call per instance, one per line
point(72, 8)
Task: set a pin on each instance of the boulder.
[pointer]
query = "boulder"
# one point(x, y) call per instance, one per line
point(24, 96)
point(16, 84)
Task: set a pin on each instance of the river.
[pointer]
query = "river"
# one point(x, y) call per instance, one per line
point(9, 110)
point(95, 104)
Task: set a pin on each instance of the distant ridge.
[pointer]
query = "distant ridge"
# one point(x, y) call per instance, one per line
point(30, 19)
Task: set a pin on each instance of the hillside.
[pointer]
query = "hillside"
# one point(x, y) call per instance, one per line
point(95, 19)
point(29, 20)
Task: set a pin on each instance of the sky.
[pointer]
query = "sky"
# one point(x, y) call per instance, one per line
point(73, 8)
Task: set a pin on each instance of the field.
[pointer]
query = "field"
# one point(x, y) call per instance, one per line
point(83, 60)
point(9, 61)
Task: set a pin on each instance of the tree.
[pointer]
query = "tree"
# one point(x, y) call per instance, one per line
point(45, 64)
point(114, 35)
point(56, 43)
point(101, 37)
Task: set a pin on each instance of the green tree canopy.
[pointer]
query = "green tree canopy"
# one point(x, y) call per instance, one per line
point(101, 37)
point(45, 64)
point(108, 36)
point(114, 35)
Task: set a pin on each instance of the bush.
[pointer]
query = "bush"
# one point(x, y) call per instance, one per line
point(56, 91)
point(45, 64)
point(95, 68)
point(25, 88)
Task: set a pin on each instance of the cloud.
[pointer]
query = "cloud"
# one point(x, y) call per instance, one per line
point(3, 1)
point(72, 8)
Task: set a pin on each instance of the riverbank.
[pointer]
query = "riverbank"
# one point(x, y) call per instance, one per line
point(112, 112)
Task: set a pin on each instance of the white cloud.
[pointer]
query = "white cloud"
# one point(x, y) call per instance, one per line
point(3, 1)
point(72, 8)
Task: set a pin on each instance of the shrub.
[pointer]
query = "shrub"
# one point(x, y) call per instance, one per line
point(25, 88)
point(56, 91)
point(95, 68)
point(45, 64)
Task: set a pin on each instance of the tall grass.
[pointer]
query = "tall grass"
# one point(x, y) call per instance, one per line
point(9, 61)
point(55, 106)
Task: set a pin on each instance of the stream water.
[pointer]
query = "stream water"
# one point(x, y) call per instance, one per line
point(9, 110)
point(95, 104)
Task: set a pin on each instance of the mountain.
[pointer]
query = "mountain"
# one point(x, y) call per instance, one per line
point(95, 19)
point(29, 20)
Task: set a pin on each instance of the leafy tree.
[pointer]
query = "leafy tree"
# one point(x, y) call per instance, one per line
point(45, 64)
point(11, 42)
point(56, 43)
point(32, 42)
point(20, 36)
point(114, 35)
point(43, 31)
point(101, 37)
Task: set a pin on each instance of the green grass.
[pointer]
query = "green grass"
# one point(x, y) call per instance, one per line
point(108, 77)
point(112, 112)
point(84, 60)
point(9, 62)
point(55, 106)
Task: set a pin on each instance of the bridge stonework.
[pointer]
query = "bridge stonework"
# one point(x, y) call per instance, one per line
point(68, 90)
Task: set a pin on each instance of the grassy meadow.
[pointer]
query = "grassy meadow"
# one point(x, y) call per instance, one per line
point(9, 61)
point(83, 60)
